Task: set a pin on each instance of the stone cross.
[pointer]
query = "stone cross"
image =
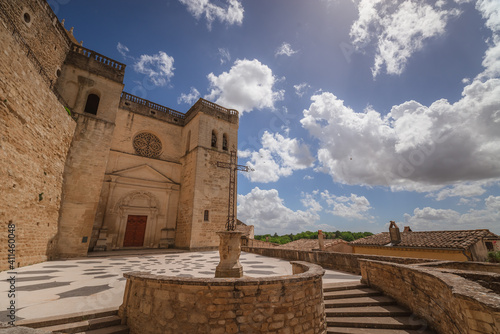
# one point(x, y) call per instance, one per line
point(233, 167)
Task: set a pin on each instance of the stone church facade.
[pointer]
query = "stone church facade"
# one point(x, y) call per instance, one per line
point(87, 166)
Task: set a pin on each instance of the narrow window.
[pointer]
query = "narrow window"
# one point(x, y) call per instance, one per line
point(205, 216)
point(489, 246)
point(224, 142)
point(92, 104)
point(214, 139)
point(188, 142)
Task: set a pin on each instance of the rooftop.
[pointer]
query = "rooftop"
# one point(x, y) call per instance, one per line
point(309, 244)
point(428, 239)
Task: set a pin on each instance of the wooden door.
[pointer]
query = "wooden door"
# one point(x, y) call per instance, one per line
point(134, 234)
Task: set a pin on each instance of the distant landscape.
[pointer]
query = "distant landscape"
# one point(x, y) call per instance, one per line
point(286, 238)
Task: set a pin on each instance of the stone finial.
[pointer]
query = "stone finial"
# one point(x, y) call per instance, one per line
point(71, 30)
point(62, 22)
point(394, 233)
point(321, 240)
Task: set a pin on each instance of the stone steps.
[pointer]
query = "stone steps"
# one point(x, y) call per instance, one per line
point(368, 311)
point(360, 301)
point(104, 322)
point(358, 309)
point(364, 292)
point(347, 330)
point(374, 322)
point(120, 329)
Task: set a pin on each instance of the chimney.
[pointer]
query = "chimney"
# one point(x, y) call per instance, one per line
point(394, 233)
point(321, 241)
point(407, 229)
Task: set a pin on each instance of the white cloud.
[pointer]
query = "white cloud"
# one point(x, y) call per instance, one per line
point(397, 29)
point(309, 201)
point(300, 89)
point(278, 157)
point(267, 212)
point(225, 56)
point(189, 98)
point(230, 13)
point(446, 219)
point(414, 147)
point(308, 177)
point(159, 67)
point(122, 49)
point(285, 50)
point(352, 207)
point(465, 189)
point(490, 11)
point(469, 201)
point(248, 85)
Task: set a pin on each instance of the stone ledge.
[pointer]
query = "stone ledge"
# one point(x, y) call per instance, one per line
point(283, 304)
point(450, 302)
point(313, 271)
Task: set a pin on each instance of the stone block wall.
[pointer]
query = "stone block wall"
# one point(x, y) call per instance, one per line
point(83, 176)
point(449, 302)
point(35, 135)
point(288, 304)
point(212, 193)
point(330, 260)
point(39, 29)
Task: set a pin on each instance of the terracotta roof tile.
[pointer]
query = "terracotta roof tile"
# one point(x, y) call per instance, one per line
point(428, 239)
point(308, 244)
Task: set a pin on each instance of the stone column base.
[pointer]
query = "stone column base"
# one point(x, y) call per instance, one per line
point(229, 252)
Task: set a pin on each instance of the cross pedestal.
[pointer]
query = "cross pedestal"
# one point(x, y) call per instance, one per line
point(229, 252)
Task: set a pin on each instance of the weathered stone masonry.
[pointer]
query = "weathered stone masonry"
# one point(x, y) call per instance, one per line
point(288, 304)
point(35, 129)
point(455, 298)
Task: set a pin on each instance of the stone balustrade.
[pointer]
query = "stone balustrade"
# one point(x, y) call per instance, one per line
point(95, 63)
point(135, 103)
point(210, 108)
point(98, 57)
point(286, 304)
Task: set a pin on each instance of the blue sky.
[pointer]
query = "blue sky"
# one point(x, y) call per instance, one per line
point(353, 113)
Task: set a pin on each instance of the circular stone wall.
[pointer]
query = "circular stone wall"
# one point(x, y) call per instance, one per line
point(287, 304)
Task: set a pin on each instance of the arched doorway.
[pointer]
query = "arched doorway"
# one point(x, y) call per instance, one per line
point(137, 219)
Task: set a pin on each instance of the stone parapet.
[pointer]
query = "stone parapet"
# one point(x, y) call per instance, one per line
point(212, 109)
point(347, 262)
point(96, 63)
point(453, 301)
point(286, 304)
point(147, 108)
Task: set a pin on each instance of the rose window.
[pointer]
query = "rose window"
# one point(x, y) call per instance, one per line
point(147, 145)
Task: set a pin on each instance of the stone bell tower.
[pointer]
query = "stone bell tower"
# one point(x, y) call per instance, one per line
point(91, 84)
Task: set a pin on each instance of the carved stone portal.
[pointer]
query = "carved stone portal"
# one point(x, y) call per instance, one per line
point(229, 251)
